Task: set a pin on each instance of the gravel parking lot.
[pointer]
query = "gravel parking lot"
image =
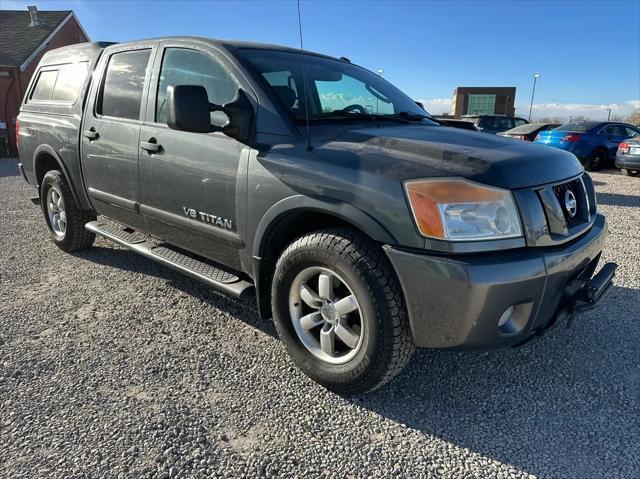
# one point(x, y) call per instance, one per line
point(114, 366)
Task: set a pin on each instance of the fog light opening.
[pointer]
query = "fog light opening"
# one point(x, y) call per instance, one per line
point(506, 316)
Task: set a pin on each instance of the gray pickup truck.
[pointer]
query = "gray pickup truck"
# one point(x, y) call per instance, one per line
point(363, 227)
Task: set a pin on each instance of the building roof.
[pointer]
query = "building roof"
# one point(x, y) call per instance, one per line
point(18, 40)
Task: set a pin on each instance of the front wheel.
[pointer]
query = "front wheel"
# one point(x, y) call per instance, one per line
point(65, 220)
point(339, 310)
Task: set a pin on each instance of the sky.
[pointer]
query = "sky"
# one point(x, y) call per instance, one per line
point(586, 52)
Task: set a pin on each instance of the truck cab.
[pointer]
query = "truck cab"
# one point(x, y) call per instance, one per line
point(317, 189)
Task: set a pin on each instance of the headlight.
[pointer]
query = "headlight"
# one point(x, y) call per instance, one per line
point(460, 210)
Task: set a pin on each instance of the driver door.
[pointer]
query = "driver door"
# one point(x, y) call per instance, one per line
point(188, 181)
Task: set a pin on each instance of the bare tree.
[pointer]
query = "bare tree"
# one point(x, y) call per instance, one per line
point(634, 118)
point(579, 118)
point(555, 119)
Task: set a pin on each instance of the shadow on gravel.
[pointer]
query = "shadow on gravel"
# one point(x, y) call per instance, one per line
point(538, 405)
point(616, 199)
point(9, 167)
point(132, 262)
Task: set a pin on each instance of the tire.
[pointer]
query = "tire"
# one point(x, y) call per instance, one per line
point(56, 200)
point(595, 161)
point(358, 269)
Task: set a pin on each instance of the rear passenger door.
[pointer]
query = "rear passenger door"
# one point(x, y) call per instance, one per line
point(111, 130)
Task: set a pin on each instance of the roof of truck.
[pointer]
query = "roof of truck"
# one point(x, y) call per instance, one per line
point(231, 44)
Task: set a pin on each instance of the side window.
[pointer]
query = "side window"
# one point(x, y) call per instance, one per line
point(69, 82)
point(121, 94)
point(182, 66)
point(614, 130)
point(519, 121)
point(44, 85)
point(631, 132)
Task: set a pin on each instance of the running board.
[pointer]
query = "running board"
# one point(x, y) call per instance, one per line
point(164, 254)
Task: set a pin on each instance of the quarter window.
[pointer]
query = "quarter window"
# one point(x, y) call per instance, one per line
point(123, 84)
point(69, 82)
point(181, 66)
point(44, 85)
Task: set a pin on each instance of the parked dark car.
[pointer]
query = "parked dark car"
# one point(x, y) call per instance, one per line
point(494, 123)
point(595, 143)
point(363, 229)
point(529, 131)
point(628, 156)
point(462, 124)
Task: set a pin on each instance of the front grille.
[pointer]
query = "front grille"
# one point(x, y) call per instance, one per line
point(570, 213)
point(577, 190)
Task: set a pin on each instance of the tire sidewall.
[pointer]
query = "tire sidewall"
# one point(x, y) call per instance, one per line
point(362, 285)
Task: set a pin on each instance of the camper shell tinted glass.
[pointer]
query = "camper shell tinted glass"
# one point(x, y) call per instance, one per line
point(60, 83)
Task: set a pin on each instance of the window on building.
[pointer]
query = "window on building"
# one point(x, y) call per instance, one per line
point(123, 84)
point(181, 66)
point(44, 85)
point(481, 104)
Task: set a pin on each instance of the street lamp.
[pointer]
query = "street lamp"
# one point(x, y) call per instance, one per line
point(535, 79)
point(609, 117)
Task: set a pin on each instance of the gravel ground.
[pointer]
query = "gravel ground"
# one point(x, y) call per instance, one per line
point(113, 366)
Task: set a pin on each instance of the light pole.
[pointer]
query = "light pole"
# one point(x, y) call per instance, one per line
point(535, 79)
point(609, 117)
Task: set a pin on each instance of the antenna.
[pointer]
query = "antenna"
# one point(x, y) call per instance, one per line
point(304, 81)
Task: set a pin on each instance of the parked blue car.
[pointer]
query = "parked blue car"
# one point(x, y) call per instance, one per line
point(594, 142)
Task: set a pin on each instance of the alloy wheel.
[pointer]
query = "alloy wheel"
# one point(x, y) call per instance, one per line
point(56, 212)
point(326, 315)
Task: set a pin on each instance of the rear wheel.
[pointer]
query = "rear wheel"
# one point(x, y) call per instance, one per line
point(65, 220)
point(595, 161)
point(339, 310)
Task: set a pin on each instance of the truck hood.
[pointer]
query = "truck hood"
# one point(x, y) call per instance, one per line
point(415, 151)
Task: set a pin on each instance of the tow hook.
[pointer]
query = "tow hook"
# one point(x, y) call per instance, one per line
point(585, 294)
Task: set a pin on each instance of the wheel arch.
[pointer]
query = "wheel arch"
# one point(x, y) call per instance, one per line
point(45, 158)
point(293, 217)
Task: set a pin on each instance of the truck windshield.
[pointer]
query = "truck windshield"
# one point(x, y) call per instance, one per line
point(336, 90)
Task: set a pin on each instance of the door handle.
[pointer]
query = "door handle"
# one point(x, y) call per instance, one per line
point(151, 146)
point(91, 134)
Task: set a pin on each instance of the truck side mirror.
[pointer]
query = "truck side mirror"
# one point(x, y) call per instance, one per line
point(188, 108)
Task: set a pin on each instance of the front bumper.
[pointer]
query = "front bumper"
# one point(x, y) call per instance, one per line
point(627, 161)
point(456, 302)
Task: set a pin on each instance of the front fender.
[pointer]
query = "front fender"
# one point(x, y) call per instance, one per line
point(298, 203)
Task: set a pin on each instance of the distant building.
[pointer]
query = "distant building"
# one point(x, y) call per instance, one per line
point(25, 36)
point(483, 100)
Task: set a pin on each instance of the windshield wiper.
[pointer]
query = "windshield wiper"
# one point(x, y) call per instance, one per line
point(412, 115)
point(355, 115)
